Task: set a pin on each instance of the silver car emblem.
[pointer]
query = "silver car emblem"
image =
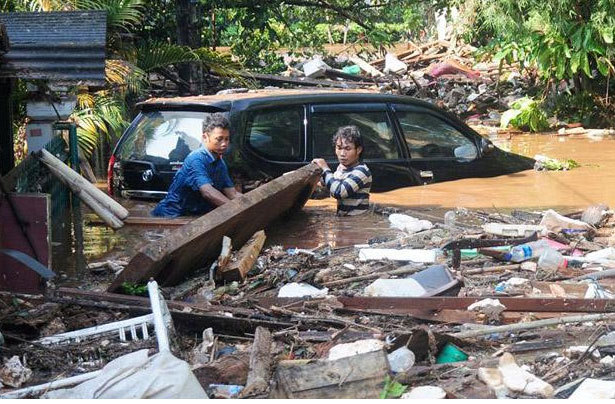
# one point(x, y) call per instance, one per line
point(147, 175)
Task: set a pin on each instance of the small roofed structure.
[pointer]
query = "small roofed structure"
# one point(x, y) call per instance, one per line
point(63, 47)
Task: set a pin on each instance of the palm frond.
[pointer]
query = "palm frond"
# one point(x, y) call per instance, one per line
point(121, 14)
point(158, 55)
point(120, 73)
point(85, 100)
point(222, 65)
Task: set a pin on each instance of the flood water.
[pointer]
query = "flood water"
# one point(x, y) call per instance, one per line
point(564, 191)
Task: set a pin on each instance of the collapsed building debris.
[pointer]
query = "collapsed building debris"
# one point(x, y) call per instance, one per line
point(501, 329)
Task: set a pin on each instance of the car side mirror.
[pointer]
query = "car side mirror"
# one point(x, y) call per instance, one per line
point(486, 146)
point(467, 152)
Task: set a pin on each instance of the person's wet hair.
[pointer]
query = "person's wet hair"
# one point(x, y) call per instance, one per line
point(350, 134)
point(215, 120)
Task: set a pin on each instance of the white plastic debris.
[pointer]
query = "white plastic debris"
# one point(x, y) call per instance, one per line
point(401, 359)
point(414, 255)
point(395, 288)
point(425, 393)
point(595, 291)
point(601, 255)
point(493, 379)
point(300, 290)
point(393, 65)
point(512, 230)
point(512, 283)
point(409, 224)
point(354, 348)
point(594, 389)
point(136, 376)
point(13, 373)
point(315, 68)
point(555, 222)
point(492, 308)
point(608, 361)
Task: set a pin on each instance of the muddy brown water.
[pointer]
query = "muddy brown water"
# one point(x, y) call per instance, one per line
point(564, 191)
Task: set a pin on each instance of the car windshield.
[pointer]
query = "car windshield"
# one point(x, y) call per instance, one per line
point(164, 136)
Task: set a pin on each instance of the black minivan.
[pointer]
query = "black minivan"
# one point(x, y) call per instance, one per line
point(406, 141)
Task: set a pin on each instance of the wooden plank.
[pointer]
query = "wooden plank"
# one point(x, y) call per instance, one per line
point(260, 364)
point(33, 210)
point(359, 376)
point(193, 245)
point(246, 257)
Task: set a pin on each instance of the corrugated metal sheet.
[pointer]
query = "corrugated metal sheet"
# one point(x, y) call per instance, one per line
point(66, 47)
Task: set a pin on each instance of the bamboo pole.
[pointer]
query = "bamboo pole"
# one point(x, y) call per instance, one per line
point(65, 172)
point(106, 215)
point(534, 324)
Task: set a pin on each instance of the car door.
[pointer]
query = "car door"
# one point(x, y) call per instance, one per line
point(438, 150)
point(382, 151)
point(274, 139)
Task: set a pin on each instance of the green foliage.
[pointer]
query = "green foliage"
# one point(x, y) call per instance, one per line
point(525, 114)
point(131, 288)
point(550, 164)
point(392, 388)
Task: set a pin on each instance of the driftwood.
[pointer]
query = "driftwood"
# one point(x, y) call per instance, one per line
point(498, 268)
point(260, 364)
point(246, 257)
point(303, 81)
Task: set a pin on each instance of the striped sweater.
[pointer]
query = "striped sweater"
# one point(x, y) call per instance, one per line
point(350, 186)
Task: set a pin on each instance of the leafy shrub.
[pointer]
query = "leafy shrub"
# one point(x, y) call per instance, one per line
point(525, 114)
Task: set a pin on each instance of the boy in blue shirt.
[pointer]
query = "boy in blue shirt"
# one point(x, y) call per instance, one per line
point(203, 183)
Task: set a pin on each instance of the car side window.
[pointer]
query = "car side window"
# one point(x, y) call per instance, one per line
point(375, 128)
point(276, 134)
point(428, 136)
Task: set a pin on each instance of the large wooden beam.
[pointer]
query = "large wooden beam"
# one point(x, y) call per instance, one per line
point(197, 243)
point(246, 257)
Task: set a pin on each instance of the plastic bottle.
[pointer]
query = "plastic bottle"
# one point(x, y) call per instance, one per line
point(552, 260)
point(526, 251)
point(450, 218)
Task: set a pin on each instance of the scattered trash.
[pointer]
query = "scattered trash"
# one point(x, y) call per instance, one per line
point(594, 389)
point(414, 255)
point(555, 222)
point(409, 224)
point(300, 290)
point(451, 353)
point(354, 348)
point(492, 308)
point(512, 230)
point(401, 359)
point(425, 393)
point(510, 378)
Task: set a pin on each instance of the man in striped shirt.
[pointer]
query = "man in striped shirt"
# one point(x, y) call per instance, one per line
point(352, 181)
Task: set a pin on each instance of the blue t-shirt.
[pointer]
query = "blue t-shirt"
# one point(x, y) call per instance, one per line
point(200, 167)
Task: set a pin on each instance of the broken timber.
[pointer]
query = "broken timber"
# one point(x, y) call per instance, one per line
point(246, 257)
point(191, 246)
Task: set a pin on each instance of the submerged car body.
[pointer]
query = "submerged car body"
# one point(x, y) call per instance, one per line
point(406, 141)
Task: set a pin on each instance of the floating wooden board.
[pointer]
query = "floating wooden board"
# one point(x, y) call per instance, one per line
point(197, 243)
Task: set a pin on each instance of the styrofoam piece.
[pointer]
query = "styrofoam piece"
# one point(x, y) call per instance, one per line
point(512, 230)
point(490, 307)
point(395, 288)
point(553, 221)
point(414, 255)
point(315, 68)
point(300, 290)
point(393, 65)
point(354, 348)
point(13, 373)
point(592, 389)
point(425, 393)
point(409, 224)
point(519, 380)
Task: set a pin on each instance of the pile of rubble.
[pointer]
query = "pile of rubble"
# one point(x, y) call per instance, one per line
point(481, 305)
point(436, 71)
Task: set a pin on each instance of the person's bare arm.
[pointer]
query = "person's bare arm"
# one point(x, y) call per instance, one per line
point(231, 192)
point(212, 195)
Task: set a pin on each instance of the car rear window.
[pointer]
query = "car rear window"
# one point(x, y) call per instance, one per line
point(163, 136)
